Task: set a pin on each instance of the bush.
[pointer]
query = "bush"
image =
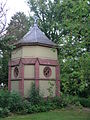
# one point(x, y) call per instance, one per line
point(85, 102)
point(37, 108)
point(26, 107)
point(15, 102)
point(33, 109)
point(4, 98)
point(12, 101)
point(34, 97)
point(1, 112)
point(59, 102)
point(70, 100)
point(4, 112)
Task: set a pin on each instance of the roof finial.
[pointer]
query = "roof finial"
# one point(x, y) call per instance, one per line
point(35, 20)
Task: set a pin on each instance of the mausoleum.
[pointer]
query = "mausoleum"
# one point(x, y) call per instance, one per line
point(34, 60)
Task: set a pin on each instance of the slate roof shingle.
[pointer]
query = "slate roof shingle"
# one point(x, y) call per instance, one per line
point(35, 37)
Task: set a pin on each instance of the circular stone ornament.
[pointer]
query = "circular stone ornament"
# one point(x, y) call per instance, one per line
point(47, 71)
point(16, 72)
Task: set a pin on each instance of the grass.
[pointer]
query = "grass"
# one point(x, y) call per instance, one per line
point(78, 114)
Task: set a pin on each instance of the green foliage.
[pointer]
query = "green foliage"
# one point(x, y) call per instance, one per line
point(85, 102)
point(5, 49)
point(59, 102)
point(66, 22)
point(34, 96)
point(18, 26)
point(40, 104)
point(15, 102)
point(4, 98)
point(69, 100)
point(50, 89)
point(4, 112)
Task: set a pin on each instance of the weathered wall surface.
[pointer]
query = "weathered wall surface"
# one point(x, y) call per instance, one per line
point(17, 53)
point(27, 86)
point(44, 85)
point(40, 52)
point(12, 72)
point(34, 52)
point(29, 71)
point(15, 86)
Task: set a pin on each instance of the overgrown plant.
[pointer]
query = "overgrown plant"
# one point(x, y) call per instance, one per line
point(34, 97)
point(15, 102)
point(50, 89)
point(4, 98)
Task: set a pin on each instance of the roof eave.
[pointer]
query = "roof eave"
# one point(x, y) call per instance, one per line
point(36, 44)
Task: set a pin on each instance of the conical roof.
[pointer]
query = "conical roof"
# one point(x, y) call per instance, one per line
point(35, 37)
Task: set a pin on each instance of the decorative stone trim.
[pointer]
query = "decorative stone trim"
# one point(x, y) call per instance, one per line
point(57, 81)
point(9, 78)
point(37, 74)
point(48, 62)
point(21, 82)
point(32, 61)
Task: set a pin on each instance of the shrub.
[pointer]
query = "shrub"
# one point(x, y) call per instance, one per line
point(26, 107)
point(12, 101)
point(4, 112)
point(34, 96)
point(70, 100)
point(85, 102)
point(37, 108)
point(59, 102)
point(1, 112)
point(4, 98)
point(15, 102)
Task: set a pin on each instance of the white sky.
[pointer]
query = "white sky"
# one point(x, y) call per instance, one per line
point(14, 6)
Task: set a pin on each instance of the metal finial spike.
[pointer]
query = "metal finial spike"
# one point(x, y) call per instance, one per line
point(35, 19)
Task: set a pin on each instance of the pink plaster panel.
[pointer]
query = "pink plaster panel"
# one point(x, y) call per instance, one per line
point(9, 79)
point(33, 60)
point(28, 60)
point(48, 62)
point(21, 82)
point(14, 62)
point(57, 81)
point(37, 74)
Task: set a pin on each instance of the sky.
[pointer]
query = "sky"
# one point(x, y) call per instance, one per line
point(14, 6)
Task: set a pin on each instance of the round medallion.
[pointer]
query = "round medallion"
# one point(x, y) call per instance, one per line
point(47, 71)
point(16, 72)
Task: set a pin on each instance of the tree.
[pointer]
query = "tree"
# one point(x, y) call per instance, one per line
point(18, 26)
point(3, 62)
point(66, 22)
point(3, 12)
point(5, 49)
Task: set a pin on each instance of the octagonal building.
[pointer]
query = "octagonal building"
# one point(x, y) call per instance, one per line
point(34, 60)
